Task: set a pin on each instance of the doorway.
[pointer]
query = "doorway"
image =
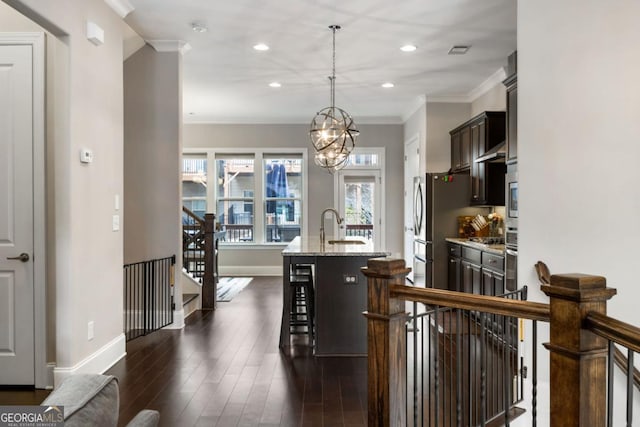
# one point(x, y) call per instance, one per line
point(360, 201)
point(22, 213)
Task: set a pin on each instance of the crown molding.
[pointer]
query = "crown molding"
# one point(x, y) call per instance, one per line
point(121, 7)
point(455, 99)
point(290, 120)
point(484, 87)
point(170, 46)
point(417, 103)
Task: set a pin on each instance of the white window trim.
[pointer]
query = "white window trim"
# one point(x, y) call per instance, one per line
point(259, 190)
point(380, 169)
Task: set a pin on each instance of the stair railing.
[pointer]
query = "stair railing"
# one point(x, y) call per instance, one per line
point(581, 368)
point(198, 253)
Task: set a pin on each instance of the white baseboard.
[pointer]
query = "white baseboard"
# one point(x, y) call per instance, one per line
point(178, 320)
point(96, 363)
point(250, 270)
point(50, 370)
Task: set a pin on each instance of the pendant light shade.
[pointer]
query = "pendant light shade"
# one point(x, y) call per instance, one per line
point(333, 132)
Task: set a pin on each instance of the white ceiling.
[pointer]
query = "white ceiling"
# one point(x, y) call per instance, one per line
point(226, 80)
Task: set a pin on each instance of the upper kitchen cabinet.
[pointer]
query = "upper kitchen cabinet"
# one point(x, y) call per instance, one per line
point(461, 149)
point(487, 168)
point(511, 83)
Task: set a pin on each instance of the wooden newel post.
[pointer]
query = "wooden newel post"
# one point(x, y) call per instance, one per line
point(387, 391)
point(578, 357)
point(208, 280)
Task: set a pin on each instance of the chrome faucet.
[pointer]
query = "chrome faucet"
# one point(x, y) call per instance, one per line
point(339, 220)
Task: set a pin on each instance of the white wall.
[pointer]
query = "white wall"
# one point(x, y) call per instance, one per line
point(152, 159)
point(84, 111)
point(320, 181)
point(494, 99)
point(578, 134)
point(442, 117)
point(416, 124)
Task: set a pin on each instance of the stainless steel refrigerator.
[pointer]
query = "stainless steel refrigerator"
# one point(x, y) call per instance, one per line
point(439, 198)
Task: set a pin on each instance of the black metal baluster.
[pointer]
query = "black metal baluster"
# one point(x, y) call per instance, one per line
point(437, 367)
point(506, 370)
point(483, 370)
point(534, 374)
point(415, 363)
point(629, 388)
point(610, 362)
point(458, 368)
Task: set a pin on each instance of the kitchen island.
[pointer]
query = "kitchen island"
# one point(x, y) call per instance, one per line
point(340, 293)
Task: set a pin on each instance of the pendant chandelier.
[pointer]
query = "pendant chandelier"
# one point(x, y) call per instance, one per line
point(333, 132)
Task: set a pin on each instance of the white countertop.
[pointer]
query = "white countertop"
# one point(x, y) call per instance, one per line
point(311, 247)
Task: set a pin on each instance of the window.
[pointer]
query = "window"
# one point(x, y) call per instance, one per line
point(258, 195)
point(283, 198)
point(194, 183)
point(234, 197)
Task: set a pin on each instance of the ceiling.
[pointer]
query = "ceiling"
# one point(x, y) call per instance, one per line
point(227, 81)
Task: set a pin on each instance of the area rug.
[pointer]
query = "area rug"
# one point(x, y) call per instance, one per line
point(229, 287)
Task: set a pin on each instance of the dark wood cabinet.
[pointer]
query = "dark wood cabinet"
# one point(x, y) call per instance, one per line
point(487, 178)
point(512, 118)
point(511, 84)
point(476, 137)
point(461, 150)
point(471, 277)
point(454, 275)
point(475, 271)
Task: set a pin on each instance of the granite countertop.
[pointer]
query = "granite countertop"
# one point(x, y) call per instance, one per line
point(497, 249)
point(311, 247)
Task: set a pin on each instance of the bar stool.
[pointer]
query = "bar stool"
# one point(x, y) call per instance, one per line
point(302, 311)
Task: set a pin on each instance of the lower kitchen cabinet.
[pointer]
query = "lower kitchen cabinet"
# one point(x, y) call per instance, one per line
point(455, 268)
point(471, 277)
point(475, 271)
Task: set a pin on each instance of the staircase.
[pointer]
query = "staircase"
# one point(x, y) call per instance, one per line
point(199, 261)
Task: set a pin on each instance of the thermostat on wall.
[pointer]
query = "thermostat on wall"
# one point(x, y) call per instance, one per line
point(86, 155)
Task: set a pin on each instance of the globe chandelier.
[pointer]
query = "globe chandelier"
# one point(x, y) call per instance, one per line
point(333, 132)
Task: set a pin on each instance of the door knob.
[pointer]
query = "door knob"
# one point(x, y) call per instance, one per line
point(24, 257)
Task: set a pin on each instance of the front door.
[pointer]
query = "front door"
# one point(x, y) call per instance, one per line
point(17, 348)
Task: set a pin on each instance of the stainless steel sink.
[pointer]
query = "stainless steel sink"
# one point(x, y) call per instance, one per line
point(346, 242)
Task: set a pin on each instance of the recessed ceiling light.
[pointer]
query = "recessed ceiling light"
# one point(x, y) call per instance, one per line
point(199, 27)
point(261, 47)
point(387, 85)
point(459, 50)
point(408, 48)
point(274, 84)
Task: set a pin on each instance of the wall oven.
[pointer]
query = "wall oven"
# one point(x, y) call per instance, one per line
point(511, 198)
point(511, 232)
point(511, 261)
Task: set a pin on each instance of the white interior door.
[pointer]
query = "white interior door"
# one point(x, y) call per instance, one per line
point(17, 360)
point(360, 202)
point(411, 170)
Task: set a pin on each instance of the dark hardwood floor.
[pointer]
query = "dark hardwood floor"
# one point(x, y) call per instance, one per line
point(225, 369)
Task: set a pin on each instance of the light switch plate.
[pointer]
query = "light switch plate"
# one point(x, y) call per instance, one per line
point(116, 223)
point(86, 155)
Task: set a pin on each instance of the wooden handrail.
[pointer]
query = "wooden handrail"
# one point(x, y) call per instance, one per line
point(466, 301)
point(192, 215)
point(578, 360)
point(614, 330)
